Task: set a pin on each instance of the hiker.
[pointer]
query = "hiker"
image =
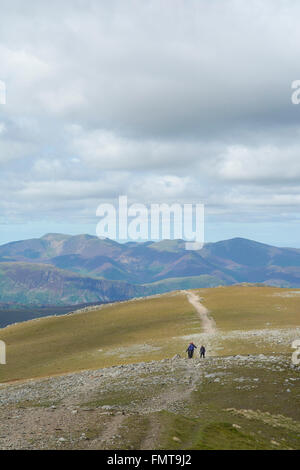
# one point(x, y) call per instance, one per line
point(190, 350)
point(202, 351)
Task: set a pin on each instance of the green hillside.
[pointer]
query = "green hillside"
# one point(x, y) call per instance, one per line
point(177, 283)
point(116, 334)
point(249, 319)
point(43, 285)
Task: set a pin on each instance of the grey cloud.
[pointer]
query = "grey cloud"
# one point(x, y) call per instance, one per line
point(169, 100)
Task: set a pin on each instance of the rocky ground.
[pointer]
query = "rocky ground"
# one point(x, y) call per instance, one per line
point(145, 405)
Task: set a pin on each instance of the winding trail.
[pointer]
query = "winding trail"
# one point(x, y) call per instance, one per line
point(209, 325)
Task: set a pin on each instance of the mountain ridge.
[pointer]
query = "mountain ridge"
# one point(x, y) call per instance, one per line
point(94, 270)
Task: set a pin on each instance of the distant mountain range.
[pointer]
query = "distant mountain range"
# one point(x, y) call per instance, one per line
point(62, 270)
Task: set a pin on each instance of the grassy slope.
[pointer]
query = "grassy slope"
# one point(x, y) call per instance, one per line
point(252, 307)
point(67, 343)
point(146, 329)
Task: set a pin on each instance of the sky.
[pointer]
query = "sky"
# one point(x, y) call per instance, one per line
point(162, 101)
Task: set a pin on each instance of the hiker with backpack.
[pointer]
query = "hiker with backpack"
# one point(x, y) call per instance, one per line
point(202, 352)
point(190, 350)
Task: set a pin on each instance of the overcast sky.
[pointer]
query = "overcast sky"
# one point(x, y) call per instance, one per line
point(163, 101)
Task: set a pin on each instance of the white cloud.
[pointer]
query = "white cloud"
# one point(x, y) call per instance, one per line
point(107, 150)
point(267, 163)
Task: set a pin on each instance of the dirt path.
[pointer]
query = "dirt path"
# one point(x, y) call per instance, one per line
point(151, 439)
point(108, 435)
point(209, 325)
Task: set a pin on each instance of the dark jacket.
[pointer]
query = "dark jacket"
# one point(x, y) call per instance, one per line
point(191, 347)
